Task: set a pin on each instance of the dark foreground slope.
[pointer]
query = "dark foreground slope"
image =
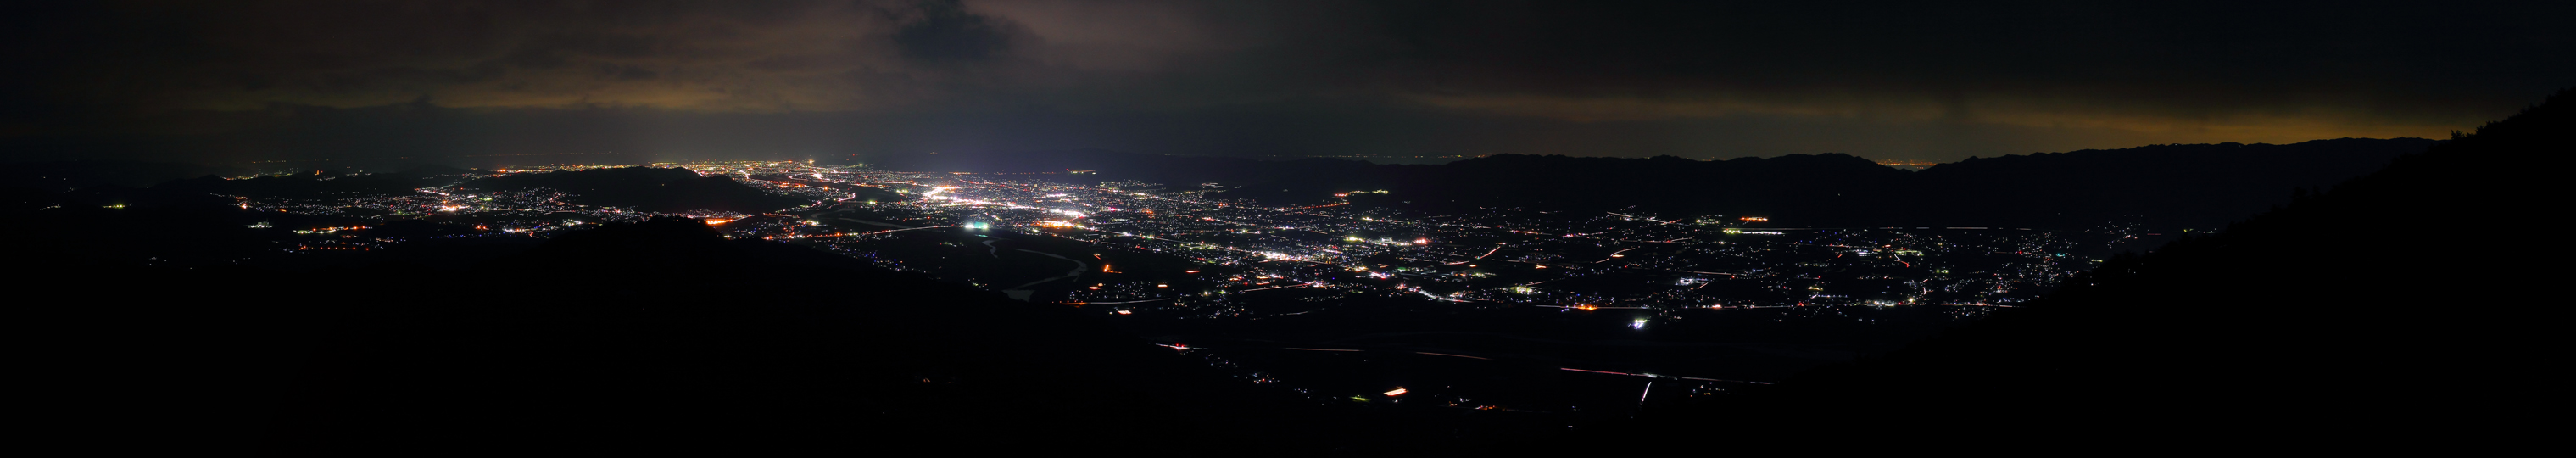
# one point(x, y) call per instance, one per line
point(665, 331)
point(651, 335)
point(2342, 321)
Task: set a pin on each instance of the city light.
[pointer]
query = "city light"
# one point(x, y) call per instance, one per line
point(1328, 255)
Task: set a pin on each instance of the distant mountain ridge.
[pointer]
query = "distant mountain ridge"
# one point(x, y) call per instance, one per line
point(2184, 185)
point(2164, 186)
point(2174, 186)
point(58, 176)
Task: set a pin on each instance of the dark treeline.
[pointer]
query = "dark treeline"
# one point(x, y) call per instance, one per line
point(2340, 321)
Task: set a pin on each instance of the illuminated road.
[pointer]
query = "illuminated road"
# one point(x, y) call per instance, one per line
point(1078, 265)
point(1568, 369)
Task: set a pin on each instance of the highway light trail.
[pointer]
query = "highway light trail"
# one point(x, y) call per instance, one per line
point(855, 234)
point(1129, 302)
point(1446, 354)
point(1663, 376)
point(1277, 287)
point(1070, 274)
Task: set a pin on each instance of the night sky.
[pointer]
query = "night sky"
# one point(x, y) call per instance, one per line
point(249, 81)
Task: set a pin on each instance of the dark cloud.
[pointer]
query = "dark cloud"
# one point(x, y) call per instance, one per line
point(944, 31)
point(1701, 79)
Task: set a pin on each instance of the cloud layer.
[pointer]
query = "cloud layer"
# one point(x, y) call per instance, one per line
point(1700, 79)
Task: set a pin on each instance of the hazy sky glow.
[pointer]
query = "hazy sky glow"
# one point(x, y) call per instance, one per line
point(1891, 80)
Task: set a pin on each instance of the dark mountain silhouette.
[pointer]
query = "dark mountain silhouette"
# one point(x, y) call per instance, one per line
point(2168, 186)
point(58, 176)
point(2332, 323)
point(2164, 186)
point(2173, 186)
point(645, 188)
point(318, 185)
point(666, 331)
point(109, 225)
point(2179, 185)
point(632, 335)
point(650, 189)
